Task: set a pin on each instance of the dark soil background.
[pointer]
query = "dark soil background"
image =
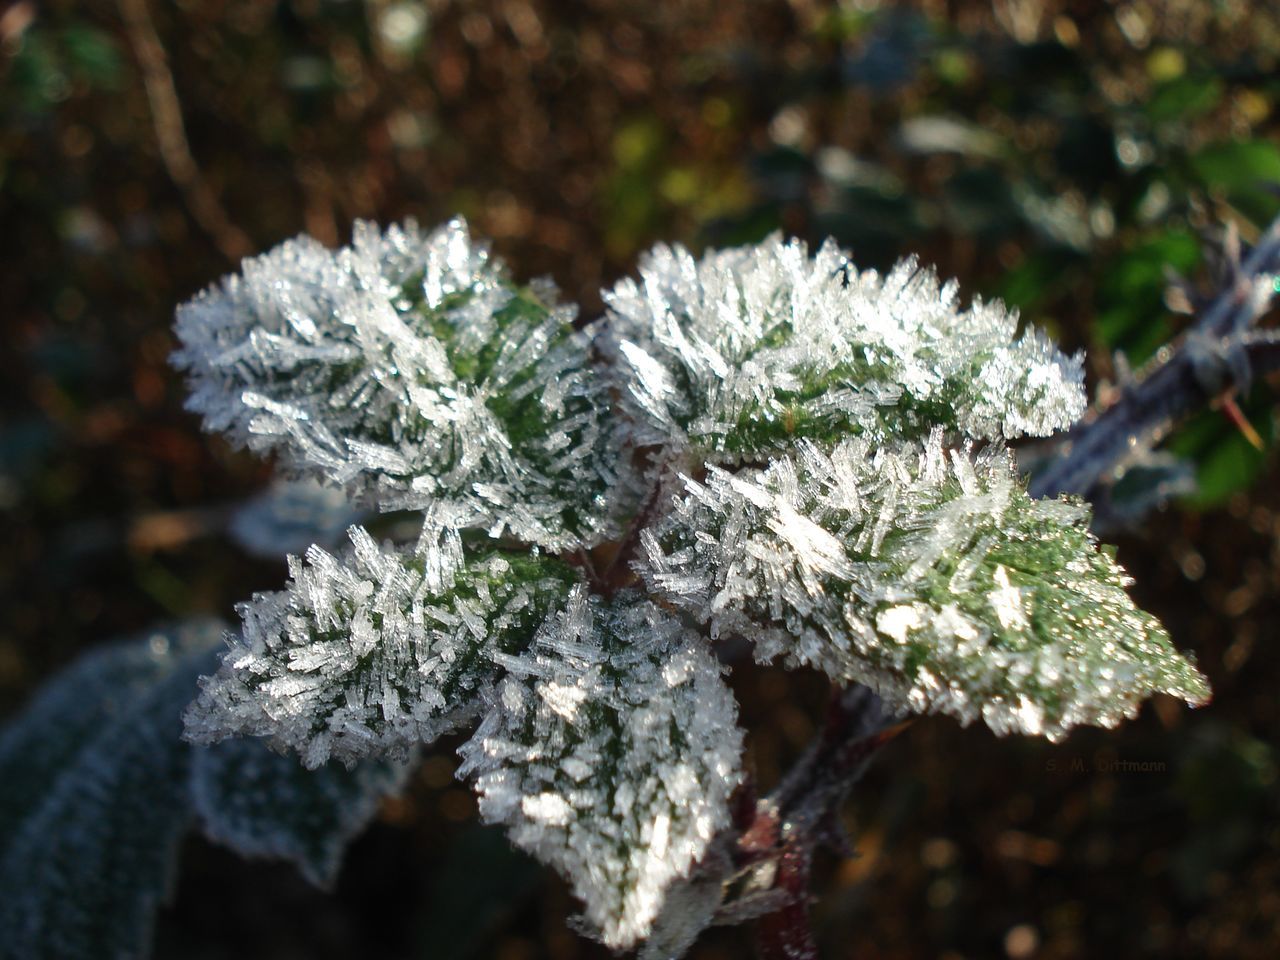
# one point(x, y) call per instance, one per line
point(1055, 153)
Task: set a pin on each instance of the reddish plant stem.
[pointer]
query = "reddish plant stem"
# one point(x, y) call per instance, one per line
point(803, 812)
point(787, 934)
point(616, 570)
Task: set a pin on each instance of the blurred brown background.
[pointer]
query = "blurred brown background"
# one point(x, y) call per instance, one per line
point(1058, 154)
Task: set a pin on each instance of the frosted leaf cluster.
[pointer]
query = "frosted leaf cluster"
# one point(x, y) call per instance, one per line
point(809, 434)
point(610, 751)
point(927, 574)
point(373, 651)
point(744, 351)
point(410, 369)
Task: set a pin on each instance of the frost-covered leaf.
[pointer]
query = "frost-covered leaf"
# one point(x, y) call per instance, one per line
point(742, 352)
point(689, 907)
point(375, 650)
point(37, 746)
point(409, 368)
point(264, 804)
point(95, 798)
point(290, 516)
point(610, 752)
point(930, 576)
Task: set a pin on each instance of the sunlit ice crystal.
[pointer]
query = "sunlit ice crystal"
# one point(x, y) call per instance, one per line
point(610, 752)
point(374, 650)
point(925, 573)
point(741, 352)
point(409, 368)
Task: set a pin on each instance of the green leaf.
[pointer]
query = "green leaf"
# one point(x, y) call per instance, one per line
point(1185, 98)
point(930, 576)
point(1039, 279)
point(1132, 316)
point(610, 753)
point(92, 55)
point(95, 799)
point(1246, 172)
point(1225, 461)
point(376, 650)
point(262, 804)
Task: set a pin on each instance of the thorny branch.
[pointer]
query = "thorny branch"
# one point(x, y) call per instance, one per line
point(1219, 355)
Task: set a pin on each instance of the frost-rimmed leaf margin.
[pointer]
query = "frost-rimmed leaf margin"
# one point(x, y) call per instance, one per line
point(409, 368)
point(743, 351)
point(925, 573)
point(263, 804)
point(376, 650)
point(99, 788)
point(610, 752)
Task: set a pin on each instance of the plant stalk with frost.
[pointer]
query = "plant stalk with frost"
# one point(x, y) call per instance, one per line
point(758, 443)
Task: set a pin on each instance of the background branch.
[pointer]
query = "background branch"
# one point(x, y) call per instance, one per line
point(1221, 353)
point(171, 134)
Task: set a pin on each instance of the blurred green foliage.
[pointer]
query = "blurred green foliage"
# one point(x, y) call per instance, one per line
point(48, 65)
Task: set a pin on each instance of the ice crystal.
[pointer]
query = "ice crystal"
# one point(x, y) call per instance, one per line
point(375, 650)
point(927, 574)
point(610, 751)
point(409, 368)
point(741, 353)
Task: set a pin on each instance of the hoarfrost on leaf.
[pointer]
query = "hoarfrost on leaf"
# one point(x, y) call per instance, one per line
point(925, 573)
point(610, 751)
point(290, 516)
point(99, 789)
point(264, 804)
point(409, 368)
point(376, 650)
point(740, 353)
point(95, 799)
